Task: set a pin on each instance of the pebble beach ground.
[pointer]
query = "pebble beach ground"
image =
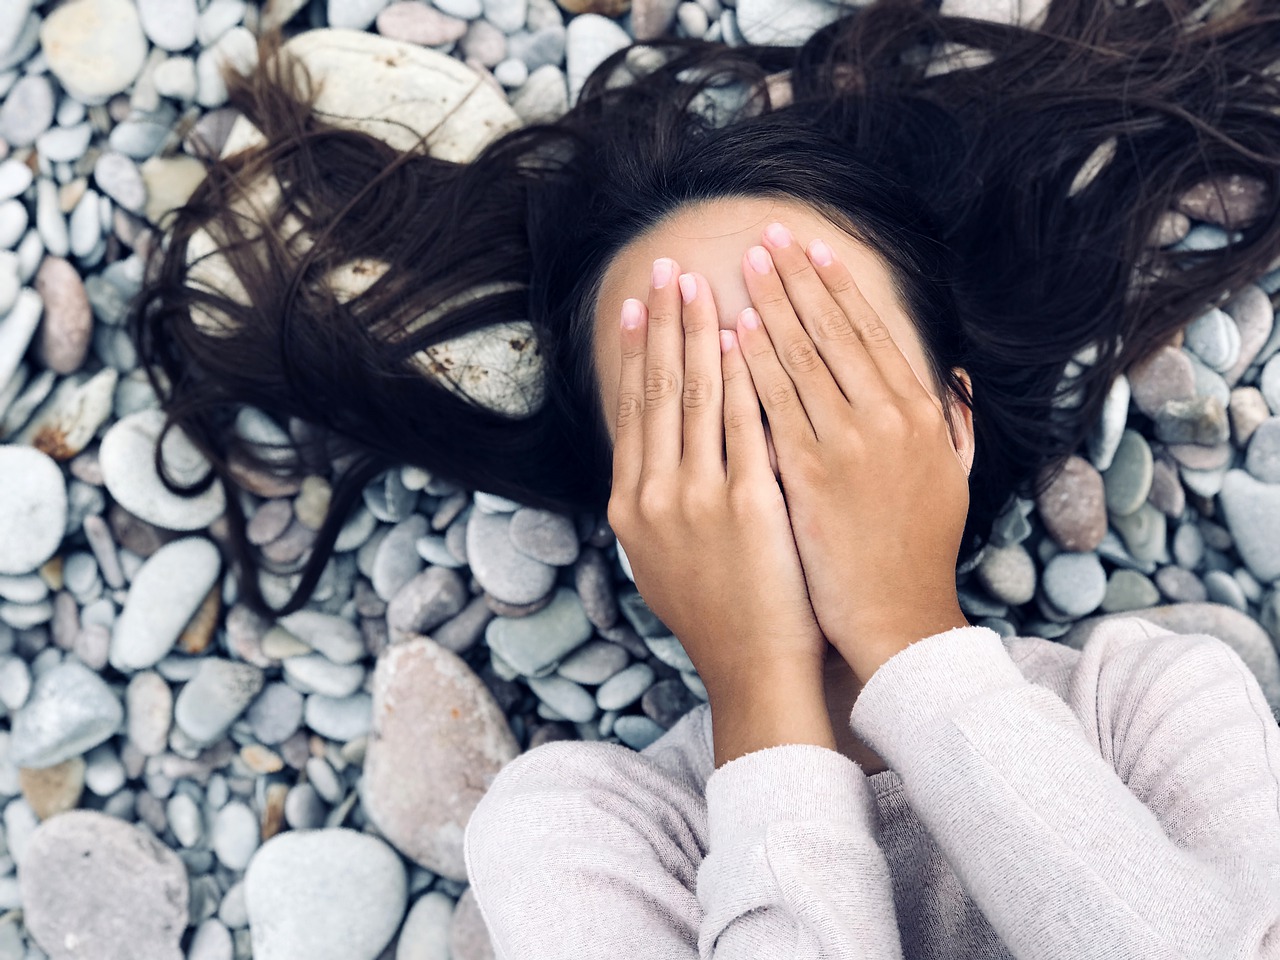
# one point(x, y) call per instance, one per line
point(235, 787)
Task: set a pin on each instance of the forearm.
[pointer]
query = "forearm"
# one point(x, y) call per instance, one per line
point(772, 707)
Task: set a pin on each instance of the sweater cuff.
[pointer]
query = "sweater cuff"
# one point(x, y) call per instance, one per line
point(788, 782)
point(931, 679)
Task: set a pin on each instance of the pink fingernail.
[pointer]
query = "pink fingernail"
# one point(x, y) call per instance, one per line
point(632, 314)
point(727, 339)
point(820, 253)
point(688, 287)
point(758, 257)
point(662, 270)
point(749, 319)
point(778, 235)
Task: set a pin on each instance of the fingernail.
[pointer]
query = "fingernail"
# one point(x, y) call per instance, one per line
point(632, 313)
point(688, 287)
point(758, 257)
point(661, 273)
point(778, 235)
point(749, 319)
point(820, 253)
point(726, 340)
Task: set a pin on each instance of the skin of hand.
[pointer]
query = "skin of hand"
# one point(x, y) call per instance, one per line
point(862, 447)
point(703, 522)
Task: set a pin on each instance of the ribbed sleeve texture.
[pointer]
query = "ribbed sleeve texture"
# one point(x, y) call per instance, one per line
point(1120, 801)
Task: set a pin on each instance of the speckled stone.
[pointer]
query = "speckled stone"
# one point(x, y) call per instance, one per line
point(544, 535)
point(1262, 459)
point(1180, 586)
point(499, 567)
point(1144, 532)
point(1073, 506)
point(1201, 420)
point(1074, 583)
point(1255, 318)
point(1163, 376)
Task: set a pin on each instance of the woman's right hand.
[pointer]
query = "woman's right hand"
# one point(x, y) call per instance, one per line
point(698, 510)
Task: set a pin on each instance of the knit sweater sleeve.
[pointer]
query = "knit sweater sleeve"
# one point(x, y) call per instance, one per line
point(1140, 821)
point(589, 850)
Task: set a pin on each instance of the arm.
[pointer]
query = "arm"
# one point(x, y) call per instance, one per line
point(1148, 827)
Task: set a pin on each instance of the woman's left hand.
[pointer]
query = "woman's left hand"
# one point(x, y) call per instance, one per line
point(876, 492)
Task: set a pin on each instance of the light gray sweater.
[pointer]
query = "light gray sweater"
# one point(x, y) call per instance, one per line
point(1121, 801)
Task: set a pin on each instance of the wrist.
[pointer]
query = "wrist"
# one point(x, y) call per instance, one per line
point(783, 706)
point(870, 643)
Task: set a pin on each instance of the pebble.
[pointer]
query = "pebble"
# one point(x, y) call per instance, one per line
point(535, 644)
point(1247, 410)
point(314, 673)
point(1144, 533)
point(637, 732)
point(485, 43)
point(53, 790)
point(209, 703)
point(84, 870)
point(303, 808)
point(1215, 339)
point(13, 224)
point(1008, 573)
point(1269, 383)
point(507, 15)
point(414, 22)
point(1163, 376)
point(163, 596)
point(33, 507)
point(463, 631)
point(544, 535)
point(397, 561)
point(667, 701)
point(1252, 512)
point(1180, 586)
point(1262, 458)
point(1223, 588)
point(567, 698)
point(96, 48)
point(593, 663)
point(15, 178)
point(276, 714)
point(465, 9)
point(169, 24)
point(1129, 590)
point(1188, 546)
point(342, 719)
point(149, 706)
point(1230, 201)
point(68, 321)
point(427, 601)
point(590, 38)
point(438, 740)
point(1127, 481)
point(625, 687)
point(1104, 439)
point(1202, 420)
point(1255, 320)
point(27, 110)
point(1209, 383)
point(1075, 583)
point(126, 456)
point(500, 568)
point(336, 638)
point(425, 933)
point(70, 710)
point(211, 941)
point(184, 819)
point(1073, 506)
point(331, 894)
point(235, 835)
point(176, 78)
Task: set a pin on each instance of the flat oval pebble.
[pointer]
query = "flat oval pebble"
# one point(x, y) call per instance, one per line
point(1075, 583)
point(235, 835)
point(1129, 590)
point(397, 561)
point(163, 597)
point(149, 706)
point(534, 643)
point(275, 714)
point(468, 936)
point(341, 719)
point(625, 687)
point(428, 600)
point(314, 673)
point(438, 741)
point(96, 48)
point(70, 711)
point(33, 508)
point(1008, 573)
point(594, 662)
point(1073, 506)
point(169, 24)
point(1127, 481)
point(333, 894)
point(1252, 511)
point(637, 732)
point(544, 535)
point(1262, 459)
point(1163, 376)
point(212, 700)
point(335, 637)
point(590, 38)
point(1214, 338)
point(26, 110)
point(425, 934)
point(1144, 532)
point(83, 871)
point(125, 455)
point(499, 567)
point(1255, 319)
point(68, 320)
point(567, 698)
point(667, 701)
point(1223, 588)
point(788, 23)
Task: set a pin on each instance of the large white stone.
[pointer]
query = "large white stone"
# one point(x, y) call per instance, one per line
point(96, 48)
point(126, 456)
point(33, 508)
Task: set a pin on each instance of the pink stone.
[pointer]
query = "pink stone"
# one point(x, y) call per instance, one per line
point(414, 22)
point(1073, 507)
point(67, 327)
point(1231, 201)
point(1165, 375)
point(1254, 316)
point(468, 936)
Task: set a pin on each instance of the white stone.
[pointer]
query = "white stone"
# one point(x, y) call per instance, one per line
point(176, 78)
point(164, 595)
point(95, 48)
point(1029, 13)
point(590, 39)
point(170, 24)
point(33, 508)
point(17, 327)
point(353, 14)
point(126, 456)
point(786, 23)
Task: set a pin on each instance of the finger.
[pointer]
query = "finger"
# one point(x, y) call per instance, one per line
point(829, 328)
point(628, 443)
point(872, 332)
point(663, 371)
point(703, 386)
point(746, 454)
point(823, 401)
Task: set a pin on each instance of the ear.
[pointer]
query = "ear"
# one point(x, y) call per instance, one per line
point(960, 422)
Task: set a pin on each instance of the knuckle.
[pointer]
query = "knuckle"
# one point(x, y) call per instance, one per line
point(698, 391)
point(659, 384)
point(695, 323)
point(618, 513)
point(630, 408)
point(697, 500)
point(772, 300)
point(747, 498)
point(801, 356)
point(832, 324)
point(841, 284)
point(781, 394)
point(653, 502)
point(735, 421)
point(874, 331)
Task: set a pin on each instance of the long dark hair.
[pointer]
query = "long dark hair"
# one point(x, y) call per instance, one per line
point(1015, 199)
